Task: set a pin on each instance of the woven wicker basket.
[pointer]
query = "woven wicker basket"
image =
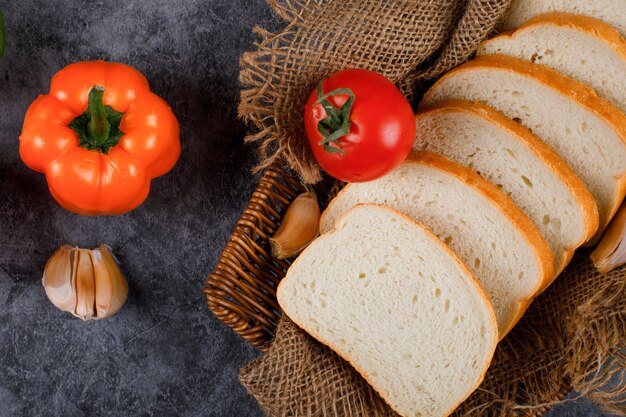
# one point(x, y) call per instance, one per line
point(241, 291)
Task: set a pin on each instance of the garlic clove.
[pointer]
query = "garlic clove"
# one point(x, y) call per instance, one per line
point(104, 286)
point(85, 286)
point(58, 279)
point(299, 227)
point(611, 251)
point(111, 286)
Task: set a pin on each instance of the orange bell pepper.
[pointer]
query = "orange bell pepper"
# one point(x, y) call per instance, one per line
point(100, 136)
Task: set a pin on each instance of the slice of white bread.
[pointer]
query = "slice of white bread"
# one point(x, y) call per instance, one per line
point(526, 169)
point(612, 12)
point(393, 300)
point(586, 131)
point(583, 48)
point(499, 243)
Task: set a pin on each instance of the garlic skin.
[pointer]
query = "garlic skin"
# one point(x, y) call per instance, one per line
point(611, 251)
point(86, 283)
point(299, 227)
point(111, 286)
point(57, 279)
point(85, 286)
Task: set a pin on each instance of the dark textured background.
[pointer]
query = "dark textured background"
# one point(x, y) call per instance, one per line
point(163, 354)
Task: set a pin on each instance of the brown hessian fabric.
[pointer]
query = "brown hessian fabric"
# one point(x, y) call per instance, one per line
point(408, 41)
point(572, 337)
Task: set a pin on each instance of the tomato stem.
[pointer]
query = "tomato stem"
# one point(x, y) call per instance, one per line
point(98, 128)
point(337, 121)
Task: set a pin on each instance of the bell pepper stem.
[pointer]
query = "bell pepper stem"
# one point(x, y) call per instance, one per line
point(99, 127)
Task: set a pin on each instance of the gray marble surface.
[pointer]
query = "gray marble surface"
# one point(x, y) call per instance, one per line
point(163, 354)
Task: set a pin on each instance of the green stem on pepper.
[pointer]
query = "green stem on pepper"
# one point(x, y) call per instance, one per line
point(98, 128)
point(337, 121)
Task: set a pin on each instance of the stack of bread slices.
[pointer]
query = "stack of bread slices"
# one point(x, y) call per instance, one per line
point(519, 159)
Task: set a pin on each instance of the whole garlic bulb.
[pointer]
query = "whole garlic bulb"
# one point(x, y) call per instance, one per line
point(87, 283)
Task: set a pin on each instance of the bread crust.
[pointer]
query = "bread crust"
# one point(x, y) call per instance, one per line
point(521, 11)
point(578, 92)
point(591, 26)
point(503, 204)
point(541, 151)
point(508, 209)
point(473, 281)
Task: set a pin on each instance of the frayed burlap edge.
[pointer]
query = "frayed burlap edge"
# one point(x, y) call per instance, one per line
point(572, 337)
point(276, 80)
point(574, 344)
point(597, 348)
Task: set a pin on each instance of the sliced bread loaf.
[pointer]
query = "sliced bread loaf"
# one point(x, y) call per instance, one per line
point(394, 301)
point(586, 131)
point(499, 243)
point(612, 12)
point(526, 169)
point(580, 47)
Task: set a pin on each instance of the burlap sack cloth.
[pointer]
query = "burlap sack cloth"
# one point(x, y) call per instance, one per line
point(572, 337)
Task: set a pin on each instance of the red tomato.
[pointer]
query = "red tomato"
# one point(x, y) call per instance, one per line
point(362, 127)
